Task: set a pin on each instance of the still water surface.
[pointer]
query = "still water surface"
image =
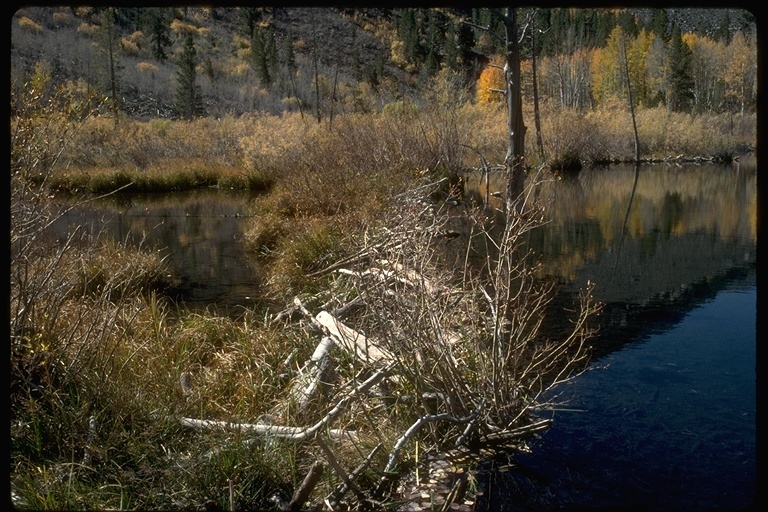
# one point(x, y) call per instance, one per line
point(666, 423)
point(670, 398)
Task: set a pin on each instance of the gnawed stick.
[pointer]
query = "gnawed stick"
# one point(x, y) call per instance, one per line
point(305, 489)
point(298, 433)
point(331, 457)
point(357, 344)
point(342, 489)
point(414, 428)
point(310, 380)
point(293, 433)
point(517, 433)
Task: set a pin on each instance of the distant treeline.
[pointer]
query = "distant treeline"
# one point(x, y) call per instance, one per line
point(209, 61)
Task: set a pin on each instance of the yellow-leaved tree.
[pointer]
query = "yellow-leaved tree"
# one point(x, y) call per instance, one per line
point(741, 73)
point(490, 85)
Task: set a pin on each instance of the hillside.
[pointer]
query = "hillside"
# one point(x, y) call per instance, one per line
point(350, 59)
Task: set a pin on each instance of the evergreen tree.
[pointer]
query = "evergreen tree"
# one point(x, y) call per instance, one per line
point(603, 27)
point(723, 32)
point(680, 80)
point(109, 43)
point(408, 31)
point(435, 41)
point(660, 24)
point(289, 56)
point(464, 44)
point(249, 17)
point(189, 102)
point(270, 47)
point(628, 24)
point(263, 54)
point(159, 31)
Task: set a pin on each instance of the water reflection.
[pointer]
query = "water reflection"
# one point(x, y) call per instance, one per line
point(655, 242)
point(667, 424)
point(200, 234)
point(646, 250)
point(657, 248)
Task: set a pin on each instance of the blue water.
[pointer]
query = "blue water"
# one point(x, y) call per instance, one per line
point(669, 424)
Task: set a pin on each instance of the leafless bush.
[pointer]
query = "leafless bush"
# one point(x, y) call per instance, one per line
point(456, 353)
point(467, 342)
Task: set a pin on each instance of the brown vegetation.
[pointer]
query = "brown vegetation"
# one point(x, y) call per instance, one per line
point(121, 399)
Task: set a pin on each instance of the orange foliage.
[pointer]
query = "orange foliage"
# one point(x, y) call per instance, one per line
point(491, 81)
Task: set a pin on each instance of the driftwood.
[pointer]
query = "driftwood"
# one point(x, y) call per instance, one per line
point(311, 379)
point(293, 433)
point(355, 343)
point(298, 433)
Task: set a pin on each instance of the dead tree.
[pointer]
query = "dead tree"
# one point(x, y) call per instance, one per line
point(515, 159)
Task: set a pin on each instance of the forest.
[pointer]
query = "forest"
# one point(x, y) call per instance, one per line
point(213, 61)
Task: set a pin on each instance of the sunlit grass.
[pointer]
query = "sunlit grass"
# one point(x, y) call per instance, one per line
point(95, 342)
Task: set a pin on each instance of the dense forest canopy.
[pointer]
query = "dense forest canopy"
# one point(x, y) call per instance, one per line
point(182, 62)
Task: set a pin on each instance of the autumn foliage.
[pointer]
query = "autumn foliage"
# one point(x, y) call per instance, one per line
point(491, 82)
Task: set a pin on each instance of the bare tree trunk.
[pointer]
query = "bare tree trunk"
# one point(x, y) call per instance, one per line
point(536, 113)
point(317, 81)
point(631, 100)
point(515, 159)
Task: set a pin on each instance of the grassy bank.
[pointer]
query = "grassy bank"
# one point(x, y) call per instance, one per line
point(103, 367)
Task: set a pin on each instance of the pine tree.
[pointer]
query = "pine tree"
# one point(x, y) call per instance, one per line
point(189, 102)
point(660, 24)
point(408, 31)
point(465, 44)
point(680, 81)
point(158, 32)
point(263, 54)
point(108, 40)
point(723, 32)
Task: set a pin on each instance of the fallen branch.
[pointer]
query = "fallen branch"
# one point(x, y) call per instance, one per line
point(305, 489)
point(414, 428)
point(351, 340)
point(296, 433)
point(342, 489)
point(517, 433)
point(329, 455)
point(293, 433)
point(313, 375)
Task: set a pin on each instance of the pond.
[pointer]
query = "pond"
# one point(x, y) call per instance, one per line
point(670, 397)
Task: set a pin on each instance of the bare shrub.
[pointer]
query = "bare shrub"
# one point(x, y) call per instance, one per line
point(468, 342)
point(455, 351)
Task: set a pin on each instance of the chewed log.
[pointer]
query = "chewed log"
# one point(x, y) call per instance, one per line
point(354, 342)
point(295, 433)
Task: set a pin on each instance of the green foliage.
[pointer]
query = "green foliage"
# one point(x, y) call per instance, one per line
point(680, 85)
point(159, 32)
point(264, 54)
point(189, 101)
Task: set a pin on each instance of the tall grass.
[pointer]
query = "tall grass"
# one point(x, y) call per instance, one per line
point(98, 354)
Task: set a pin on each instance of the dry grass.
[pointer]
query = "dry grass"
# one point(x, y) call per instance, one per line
point(97, 354)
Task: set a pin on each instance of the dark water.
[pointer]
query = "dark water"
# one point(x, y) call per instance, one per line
point(671, 400)
point(666, 423)
point(200, 234)
point(665, 419)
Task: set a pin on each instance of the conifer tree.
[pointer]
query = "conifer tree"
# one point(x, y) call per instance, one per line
point(263, 54)
point(158, 32)
point(680, 81)
point(109, 43)
point(189, 102)
point(660, 24)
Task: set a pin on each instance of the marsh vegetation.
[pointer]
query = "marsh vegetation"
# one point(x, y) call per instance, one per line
point(373, 344)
